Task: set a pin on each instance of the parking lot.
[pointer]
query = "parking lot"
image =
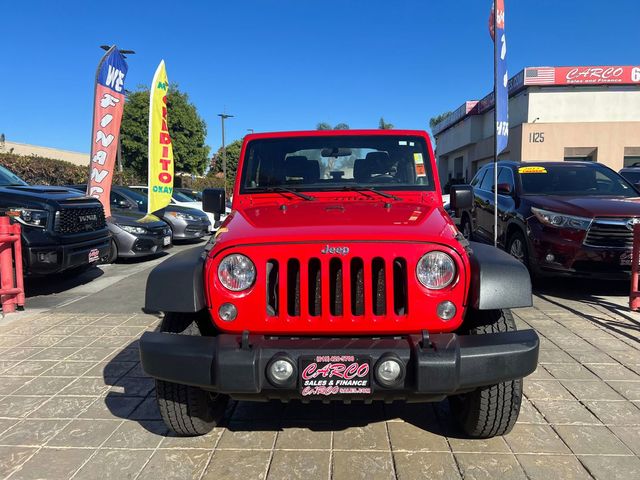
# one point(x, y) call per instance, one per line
point(74, 402)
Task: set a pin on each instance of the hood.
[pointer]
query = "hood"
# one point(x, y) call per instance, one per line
point(588, 206)
point(329, 221)
point(180, 208)
point(41, 192)
point(135, 219)
point(196, 205)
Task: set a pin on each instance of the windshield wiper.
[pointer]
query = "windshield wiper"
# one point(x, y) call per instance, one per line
point(369, 189)
point(288, 190)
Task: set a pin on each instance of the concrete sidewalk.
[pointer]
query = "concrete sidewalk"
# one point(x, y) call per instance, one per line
point(74, 403)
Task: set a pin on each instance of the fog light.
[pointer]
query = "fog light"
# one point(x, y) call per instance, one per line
point(446, 310)
point(550, 258)
point(228, 312)
point(389, 371)
point(280, 371)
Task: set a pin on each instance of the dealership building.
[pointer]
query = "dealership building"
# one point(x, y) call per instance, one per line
point(555, 114)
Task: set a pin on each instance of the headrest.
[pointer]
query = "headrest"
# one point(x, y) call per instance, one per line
point(300, 167)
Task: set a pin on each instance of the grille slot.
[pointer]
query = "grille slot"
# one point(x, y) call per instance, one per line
point(315, 287)
point(79, 220)
point(610, 233)
point(379, 297)
point(335, 286)
point(272, 287)
point(293, 287)
point(400, 287)
point(357, 286)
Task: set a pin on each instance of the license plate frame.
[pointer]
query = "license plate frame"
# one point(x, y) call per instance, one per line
point(334, 376)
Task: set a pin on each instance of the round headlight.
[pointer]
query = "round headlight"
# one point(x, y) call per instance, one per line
point(436, 270)
point(236, 272)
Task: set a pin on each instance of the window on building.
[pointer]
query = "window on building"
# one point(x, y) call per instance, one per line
point(458, 167)
point(580, 154)
point(632, 156)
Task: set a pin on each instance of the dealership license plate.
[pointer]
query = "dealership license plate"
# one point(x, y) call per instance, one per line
point(94, 255)
point(329, 375)
point(166, 241)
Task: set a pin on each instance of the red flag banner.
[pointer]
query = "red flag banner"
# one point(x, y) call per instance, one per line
point(107, 116)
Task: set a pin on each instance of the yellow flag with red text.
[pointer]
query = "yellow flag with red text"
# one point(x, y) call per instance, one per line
point(160, 149)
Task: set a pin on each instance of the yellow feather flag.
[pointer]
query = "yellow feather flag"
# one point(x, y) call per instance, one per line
point(160, 149)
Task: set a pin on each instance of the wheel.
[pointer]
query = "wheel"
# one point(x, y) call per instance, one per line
point(465, 227)
point(187, 410)
point(517, 247)
point(113, 253)
point(492, 410)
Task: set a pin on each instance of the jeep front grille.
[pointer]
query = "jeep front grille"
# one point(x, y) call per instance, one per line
point(609, 233)
point(340, 287)
point(79, 220)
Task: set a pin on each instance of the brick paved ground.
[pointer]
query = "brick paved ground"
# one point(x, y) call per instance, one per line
point(74, 403)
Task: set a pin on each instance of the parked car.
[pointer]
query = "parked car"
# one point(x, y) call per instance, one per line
point(61, 228)
point(632, 174)
point(195, 195)
point(185, 223)
point(558, 218)
point(132, 233)
point(341, 289)
point(184, 200)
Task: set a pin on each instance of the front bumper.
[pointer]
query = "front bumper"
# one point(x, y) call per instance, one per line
point(130, 245)
point(445, 365)
point(193, 230)
point(54, 258)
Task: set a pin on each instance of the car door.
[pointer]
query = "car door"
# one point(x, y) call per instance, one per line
point(506, 203)
point(483, 205)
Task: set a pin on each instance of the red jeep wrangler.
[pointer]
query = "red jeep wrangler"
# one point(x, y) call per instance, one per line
point(339, 277)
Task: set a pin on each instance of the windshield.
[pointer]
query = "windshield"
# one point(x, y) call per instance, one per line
point(8, 178)
point(324, 163)
point(573, 180)
point(181, 197)
point(138, 197)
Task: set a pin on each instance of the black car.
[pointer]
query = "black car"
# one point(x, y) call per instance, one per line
point(632, 174)
point(61, 228)
point(558, 218)
point(132, 233)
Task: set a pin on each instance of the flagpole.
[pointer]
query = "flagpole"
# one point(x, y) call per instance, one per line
point(495, 124)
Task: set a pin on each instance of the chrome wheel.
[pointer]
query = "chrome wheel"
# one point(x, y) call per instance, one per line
point(517, 249)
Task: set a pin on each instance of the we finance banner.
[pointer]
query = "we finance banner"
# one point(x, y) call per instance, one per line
point(160, 149)
point(107, 116)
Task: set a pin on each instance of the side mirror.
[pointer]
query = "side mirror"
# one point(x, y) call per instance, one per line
point(504, 189)
point(213, 200)
point(460, 198)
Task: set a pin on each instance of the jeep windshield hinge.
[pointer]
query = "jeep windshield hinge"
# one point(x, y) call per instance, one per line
point(244, 341)
point(425, 342)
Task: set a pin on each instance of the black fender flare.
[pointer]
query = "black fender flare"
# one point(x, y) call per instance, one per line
point(497, 279)
point(177, 284)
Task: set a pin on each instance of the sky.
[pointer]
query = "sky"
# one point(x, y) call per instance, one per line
point(289, 64)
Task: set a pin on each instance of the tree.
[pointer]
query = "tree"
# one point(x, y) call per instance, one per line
point(438, 119)
point(187, 129)
point(326, 126)
point(233, 156)
point(382, 125)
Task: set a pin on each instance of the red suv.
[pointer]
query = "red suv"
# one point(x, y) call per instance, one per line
point(558, 218)
point(338, 276)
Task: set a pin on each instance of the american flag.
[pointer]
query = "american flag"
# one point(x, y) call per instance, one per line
point(540, 76)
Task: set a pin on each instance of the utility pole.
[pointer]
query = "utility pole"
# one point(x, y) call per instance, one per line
point(224, 116)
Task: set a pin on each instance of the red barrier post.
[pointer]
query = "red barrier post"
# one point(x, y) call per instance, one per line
point(11, 285)
point(634, 294)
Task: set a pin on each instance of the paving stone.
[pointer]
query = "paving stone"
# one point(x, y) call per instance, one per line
point(207, 442)
point(62, 407)
point(298, 465)
point(29, 368)
point(489, 445)
point(44, 386)
point(8, 385)
point(12, 459)
point(17, 407)
point(297, 438)
point(408, 437)
point(616, 413)
point(591, 390)
point(629, 390)
point(89, 354)
point(369, 437)
point(53, 464)
point(431, 465)
point(591, 439)
point(237, 465)
point(630, 436)
point(546, 390)
point(475, 466)
point(146, 410)
point(525, 438)
point(354, 465)
point(119, 464)
point(76, 342)
point(248, 436)
point(32, 432)
point(611, 468)
point(554, 356)
point(133, 387)
point(68, 369)
point(528, 413)
point(21, 353)
point(54, 353)
point(177, 464)
point(84, 433)
point(587, 358)
point(112, 407)
point(569, 371)
point(85, 386)
point(543, 467)
point(110, 369)
point(42, 341)
point(247, 411)
point(144, 434)
point(614, 372)
point(565, 412)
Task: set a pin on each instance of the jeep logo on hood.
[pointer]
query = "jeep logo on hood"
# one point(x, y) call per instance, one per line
point(335, 250)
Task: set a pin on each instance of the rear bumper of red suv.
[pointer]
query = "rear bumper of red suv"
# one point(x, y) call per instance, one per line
point(432, 366)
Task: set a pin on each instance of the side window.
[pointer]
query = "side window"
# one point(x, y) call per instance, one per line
point(478, 178)
point(487, 181)
point(115, 198)
point(505, 175)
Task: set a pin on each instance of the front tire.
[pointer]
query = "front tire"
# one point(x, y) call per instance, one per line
point(492, 410)
point(187, 410)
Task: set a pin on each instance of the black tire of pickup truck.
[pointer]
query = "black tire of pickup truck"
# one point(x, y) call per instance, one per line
point(188, 411)
point(492, 410)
